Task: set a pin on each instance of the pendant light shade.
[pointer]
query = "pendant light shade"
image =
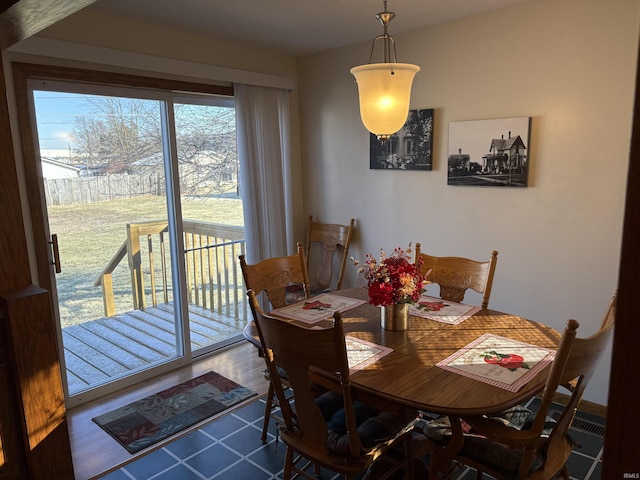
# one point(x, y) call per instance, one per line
point(385, 91)
point(384, 88)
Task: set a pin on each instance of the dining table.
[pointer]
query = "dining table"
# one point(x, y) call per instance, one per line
point(411, 372)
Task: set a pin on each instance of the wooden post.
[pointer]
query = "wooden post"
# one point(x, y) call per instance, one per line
point(107, 295)
point(135, 265)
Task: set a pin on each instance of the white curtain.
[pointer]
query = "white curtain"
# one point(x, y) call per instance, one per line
point(262, 125)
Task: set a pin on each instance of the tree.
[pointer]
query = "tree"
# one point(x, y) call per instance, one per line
point(206, 140)
point(124, 135)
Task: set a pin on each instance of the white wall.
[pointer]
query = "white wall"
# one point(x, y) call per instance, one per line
point(571, 67)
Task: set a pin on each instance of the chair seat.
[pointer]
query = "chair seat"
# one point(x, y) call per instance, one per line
point(482, 451)
point(377, 430)
point(374, 426)
point(506, 461)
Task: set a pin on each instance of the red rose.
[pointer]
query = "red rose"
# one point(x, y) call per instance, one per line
point(381, 293)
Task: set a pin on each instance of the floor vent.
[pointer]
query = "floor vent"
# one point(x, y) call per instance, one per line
point(581, 424)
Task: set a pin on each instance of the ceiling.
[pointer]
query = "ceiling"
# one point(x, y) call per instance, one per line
point(297, 27)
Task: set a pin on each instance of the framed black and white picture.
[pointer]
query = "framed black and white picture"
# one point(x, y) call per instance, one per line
point(408, 149)
point(492, 153)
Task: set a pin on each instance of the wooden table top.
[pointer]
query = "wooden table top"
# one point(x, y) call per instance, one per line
point(409, 376)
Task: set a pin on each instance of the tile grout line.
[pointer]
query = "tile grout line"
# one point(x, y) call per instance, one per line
point(249, 423)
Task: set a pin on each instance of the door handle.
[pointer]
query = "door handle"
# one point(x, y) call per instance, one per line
point(56, 253)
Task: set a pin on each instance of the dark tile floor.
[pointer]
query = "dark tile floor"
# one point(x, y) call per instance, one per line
point(230, 449)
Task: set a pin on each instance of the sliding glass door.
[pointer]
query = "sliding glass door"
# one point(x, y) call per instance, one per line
point(143, 214)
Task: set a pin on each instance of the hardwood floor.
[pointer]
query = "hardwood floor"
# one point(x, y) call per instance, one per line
point(95, 452)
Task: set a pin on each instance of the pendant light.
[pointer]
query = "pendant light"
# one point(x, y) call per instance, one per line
point(384, 88)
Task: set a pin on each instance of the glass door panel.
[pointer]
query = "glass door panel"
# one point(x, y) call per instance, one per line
point(212, 220)
point(104, 176)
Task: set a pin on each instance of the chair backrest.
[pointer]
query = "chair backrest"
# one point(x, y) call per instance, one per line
point(455, 275)
point(330, 236)
point(610, 314)
point(311, 357)
point(273, 275)
point(574, 364)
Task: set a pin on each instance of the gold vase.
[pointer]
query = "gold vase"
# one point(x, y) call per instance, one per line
point(395, 317)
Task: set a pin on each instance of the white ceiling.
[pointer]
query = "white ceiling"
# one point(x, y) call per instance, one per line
point(297, 27)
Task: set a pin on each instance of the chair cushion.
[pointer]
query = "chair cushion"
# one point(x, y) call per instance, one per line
point(281, 372)
point(479, 449)
point(518, 417)
point(374, 426)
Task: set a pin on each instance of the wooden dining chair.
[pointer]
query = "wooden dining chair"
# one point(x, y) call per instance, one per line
point(455, 275)
point(272, 277)
point(610, 314)
point(607, 322)
point(526, 445)
point(330, 430)
point(327, 239)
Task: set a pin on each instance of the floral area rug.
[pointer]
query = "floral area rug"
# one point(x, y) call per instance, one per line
point(156, 417)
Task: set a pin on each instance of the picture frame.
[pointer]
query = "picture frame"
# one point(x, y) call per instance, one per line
point(408, 149)
point(490, 153)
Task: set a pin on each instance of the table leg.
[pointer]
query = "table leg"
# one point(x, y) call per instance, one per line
point(442, 455)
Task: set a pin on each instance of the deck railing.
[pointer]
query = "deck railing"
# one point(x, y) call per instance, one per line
point(214, 279)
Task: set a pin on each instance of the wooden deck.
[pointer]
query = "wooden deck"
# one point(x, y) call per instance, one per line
point(108, 347)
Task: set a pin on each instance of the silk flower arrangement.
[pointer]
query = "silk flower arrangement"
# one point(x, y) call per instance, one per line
point(394, 279)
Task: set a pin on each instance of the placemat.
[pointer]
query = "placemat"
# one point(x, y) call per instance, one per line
point(315, 309)
point(361, 353)
point(441, 310)
point(499, 361)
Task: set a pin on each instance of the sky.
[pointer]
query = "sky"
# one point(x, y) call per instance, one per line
point(55, 116)
point(58, 113)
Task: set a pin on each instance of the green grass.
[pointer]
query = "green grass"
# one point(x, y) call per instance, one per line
point(90, 234)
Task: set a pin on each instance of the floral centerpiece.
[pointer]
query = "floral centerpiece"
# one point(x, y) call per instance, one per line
point(394, 279)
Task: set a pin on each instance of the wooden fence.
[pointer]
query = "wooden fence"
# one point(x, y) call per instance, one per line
point(102, 188)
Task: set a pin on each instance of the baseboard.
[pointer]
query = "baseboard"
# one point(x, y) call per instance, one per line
point(585, 406)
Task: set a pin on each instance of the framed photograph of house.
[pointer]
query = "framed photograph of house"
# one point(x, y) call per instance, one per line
point(492, 153)
point(408, 149)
